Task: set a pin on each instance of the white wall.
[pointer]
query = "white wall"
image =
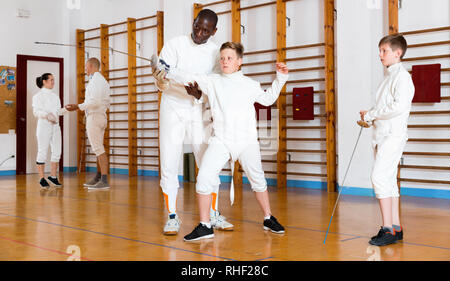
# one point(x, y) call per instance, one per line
point(358, 30)
point(19, 35)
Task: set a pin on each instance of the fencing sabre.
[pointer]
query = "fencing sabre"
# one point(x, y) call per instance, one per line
point(92, 47)
point(363, 125)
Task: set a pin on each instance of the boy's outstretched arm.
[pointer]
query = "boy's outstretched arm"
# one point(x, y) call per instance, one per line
point(269, 96)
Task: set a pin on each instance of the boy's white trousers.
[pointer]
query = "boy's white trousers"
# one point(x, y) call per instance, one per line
point(384, 173)
point(217, 155)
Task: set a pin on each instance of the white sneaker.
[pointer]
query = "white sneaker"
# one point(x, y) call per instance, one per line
point(172, 225)
point(219, 222)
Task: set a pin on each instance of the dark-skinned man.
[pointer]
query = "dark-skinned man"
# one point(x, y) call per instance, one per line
point(182, 119)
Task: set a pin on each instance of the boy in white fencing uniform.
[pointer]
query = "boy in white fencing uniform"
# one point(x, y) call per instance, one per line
point(180, 117)
point(47, 108)
point(95, 105)
point(389, 117)
point(232, 96)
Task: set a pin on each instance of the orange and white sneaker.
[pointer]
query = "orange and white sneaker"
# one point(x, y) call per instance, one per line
point(172, 225)
point(220, 222)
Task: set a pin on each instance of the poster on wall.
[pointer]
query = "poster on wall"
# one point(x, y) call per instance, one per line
point(7, 99)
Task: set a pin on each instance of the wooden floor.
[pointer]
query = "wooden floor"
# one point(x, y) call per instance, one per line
point(125, 223)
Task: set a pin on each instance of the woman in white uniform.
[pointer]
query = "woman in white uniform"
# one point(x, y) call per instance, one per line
point(47, 108)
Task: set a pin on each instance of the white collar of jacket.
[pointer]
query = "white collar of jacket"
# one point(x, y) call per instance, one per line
point(198, 45)
point(45, 90)
point(234, 74)
point(93, 75)
point(394, 68)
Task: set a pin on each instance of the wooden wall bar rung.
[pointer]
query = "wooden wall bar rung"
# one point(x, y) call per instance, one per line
point(427, 58)
point(428, 140)
point(305, 139)
point(424, 181)
point(117, 33)
point(144, 84)
point(118, 78)
point(117, 24)
point(148, 165)
point(424, 167)
point(290, 71)
point(257, 6)
point(117, 163)
point(148, 146)
point(146, 129)
point(118, 69)
point(147, 101)
point(259, 52)
point(426, 153)
point(118, 86)
point(92, 29)
point(259, 62)
point(146, 93)
point(146, 138)
point(425, 30)
point(145, 27)
point(304, 127)
point(91, 38)
point(285, 49)
point(214, 3)
point(305, 58)
point(144, 75)
point(430, 112)
point(146, 18)
point(429, 44)
point(307, 162)
point(304, 46)
point(307, 150)
point(297, 81)
point(306, 174)
point(428, 126)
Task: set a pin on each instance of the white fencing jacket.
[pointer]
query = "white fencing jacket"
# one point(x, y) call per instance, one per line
point(183, 53)
point(46, 101)
point(97, 96)
point(232, 98)
point(393, 104)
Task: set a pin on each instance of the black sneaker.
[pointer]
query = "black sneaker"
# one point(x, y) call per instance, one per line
point(200, 232)
point(44, 184)
point(54, 181)
point(380, 233)
point(384, 237)
point(273, 225)
point(399, 234)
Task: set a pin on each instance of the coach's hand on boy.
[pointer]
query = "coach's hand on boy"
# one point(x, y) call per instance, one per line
point(282, 68)
point(193, 90)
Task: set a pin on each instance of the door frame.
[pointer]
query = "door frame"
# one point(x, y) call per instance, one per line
point(21, 103)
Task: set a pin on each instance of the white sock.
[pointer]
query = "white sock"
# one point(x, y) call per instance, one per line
point(267, 218)
point(207, 224)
